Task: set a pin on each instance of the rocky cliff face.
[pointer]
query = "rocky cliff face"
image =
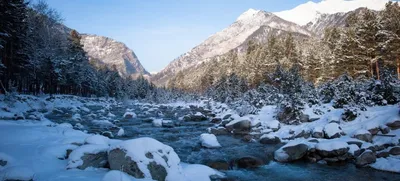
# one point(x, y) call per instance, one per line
point(113, 54)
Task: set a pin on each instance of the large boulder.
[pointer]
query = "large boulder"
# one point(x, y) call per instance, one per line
point(363, 135)
point(367, 157)
point(291, 152)
point(243, 125)
point(269, 139)
point(332, 148)
point(249, 162)
point(333, 130)
point(209, 141)
point(146, 158)
point(88, 156)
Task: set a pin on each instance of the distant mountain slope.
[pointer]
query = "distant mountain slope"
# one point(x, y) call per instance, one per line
point(248, 25)
point(104, 50)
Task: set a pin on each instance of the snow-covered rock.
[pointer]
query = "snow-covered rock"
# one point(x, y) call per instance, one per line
point(196, 172)
point(20, 173)
point(367, 157)
point(218, 131)
point(121, 132)
point(146, 158)
point(333, 130)
point(292, 151)
point(76, 117)
point(157, 122)
point(88, 156)
point(274, 125)
point(390, 164)
point(242, 125)
point(318, 132)
point(363, 135)
point(269, 139)
point(332, 148)
point(115, 175)
point(129, 115)
point(97, 140)
point(209, 141)
point(394, 124)
point(5, 160)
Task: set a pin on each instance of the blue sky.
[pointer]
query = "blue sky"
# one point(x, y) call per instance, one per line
point(159, 31)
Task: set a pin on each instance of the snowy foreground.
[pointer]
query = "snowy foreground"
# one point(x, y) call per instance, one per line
point(33, 147)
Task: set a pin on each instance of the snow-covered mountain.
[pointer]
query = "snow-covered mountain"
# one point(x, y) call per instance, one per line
point(311, 11)
point(251, 23)
point(104, 50)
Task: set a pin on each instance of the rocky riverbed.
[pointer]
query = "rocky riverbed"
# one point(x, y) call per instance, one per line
point(253, 147)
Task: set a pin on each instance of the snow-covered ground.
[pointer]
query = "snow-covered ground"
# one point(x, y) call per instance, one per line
point(33, 145)
point(38, 148)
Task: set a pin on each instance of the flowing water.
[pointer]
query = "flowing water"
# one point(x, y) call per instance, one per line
point(183, 136)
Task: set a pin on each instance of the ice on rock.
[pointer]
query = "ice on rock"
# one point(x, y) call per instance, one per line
point(209, 141)
point(97, 140)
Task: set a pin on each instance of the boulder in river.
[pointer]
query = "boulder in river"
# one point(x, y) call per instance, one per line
point(365, 158)
point(218, 131)
point(291, 152)
point(249, 162)
point(146, 158)
point(243, 125)
point(209, 141)
point(219, 165)
point(269, 139)
point(332, 148)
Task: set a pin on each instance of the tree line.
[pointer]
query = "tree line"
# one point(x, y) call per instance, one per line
point(38, 54)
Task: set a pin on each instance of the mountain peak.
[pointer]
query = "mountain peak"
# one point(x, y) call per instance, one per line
point(307, 12)
point(250, 14)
